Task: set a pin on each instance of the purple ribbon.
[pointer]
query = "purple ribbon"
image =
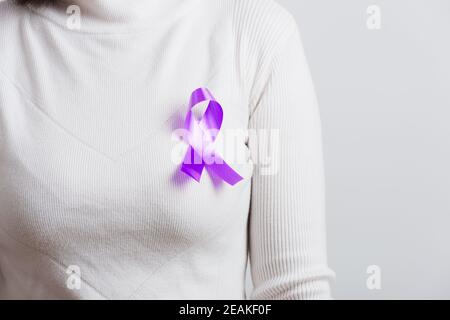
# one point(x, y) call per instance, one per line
point(202, 134)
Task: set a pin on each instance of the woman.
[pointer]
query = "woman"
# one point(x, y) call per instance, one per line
point(92, 203)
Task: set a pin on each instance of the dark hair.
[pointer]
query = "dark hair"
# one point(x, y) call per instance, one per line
point(35, 3)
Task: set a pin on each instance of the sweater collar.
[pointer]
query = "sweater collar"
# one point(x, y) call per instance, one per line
point(114, 16)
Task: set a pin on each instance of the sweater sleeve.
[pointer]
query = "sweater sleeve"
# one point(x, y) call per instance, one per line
point(287, 242)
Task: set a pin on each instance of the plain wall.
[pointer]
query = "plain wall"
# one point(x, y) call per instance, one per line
point(385, 103)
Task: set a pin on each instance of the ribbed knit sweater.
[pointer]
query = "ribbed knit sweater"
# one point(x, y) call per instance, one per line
point(92, 205)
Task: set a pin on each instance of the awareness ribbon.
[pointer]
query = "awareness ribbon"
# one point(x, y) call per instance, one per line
point(198, 156)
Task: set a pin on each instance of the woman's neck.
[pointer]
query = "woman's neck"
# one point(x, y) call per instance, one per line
point(114, 16)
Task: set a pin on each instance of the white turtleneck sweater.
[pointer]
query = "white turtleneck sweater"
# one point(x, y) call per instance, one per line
point(92, 205)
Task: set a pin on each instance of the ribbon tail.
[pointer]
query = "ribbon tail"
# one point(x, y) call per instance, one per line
point(225, 172)
point(191, 167)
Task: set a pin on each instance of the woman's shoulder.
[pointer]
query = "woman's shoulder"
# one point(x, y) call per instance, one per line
point(261, 23)
point(260, 27)
point(268, 11)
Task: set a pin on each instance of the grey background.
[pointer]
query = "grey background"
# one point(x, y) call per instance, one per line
point(385, 103)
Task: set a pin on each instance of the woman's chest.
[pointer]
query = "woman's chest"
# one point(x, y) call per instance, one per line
point(58, 193)
point(89, 158)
